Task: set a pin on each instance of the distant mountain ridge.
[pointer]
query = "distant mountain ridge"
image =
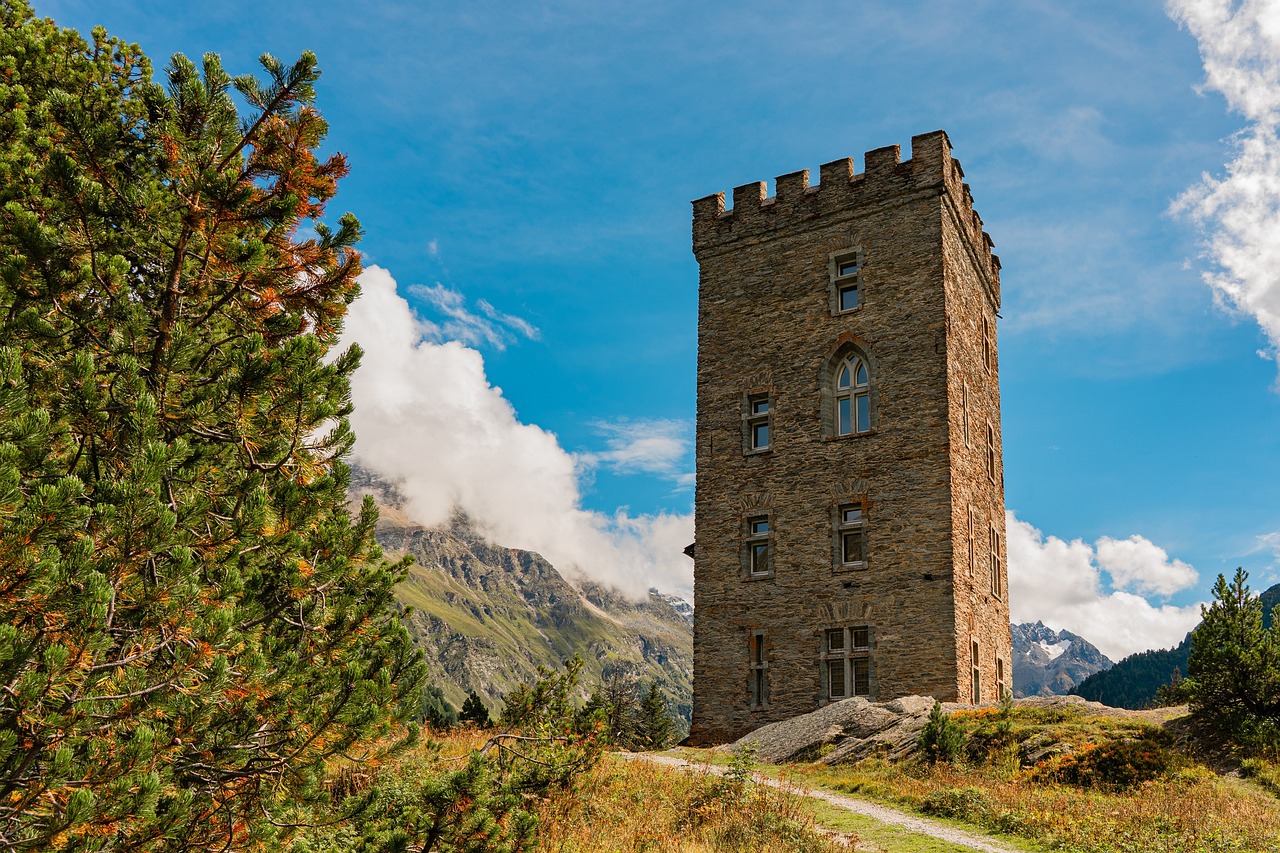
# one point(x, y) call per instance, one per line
point(486, 617)
point(1133, 682)
point(1049, 663)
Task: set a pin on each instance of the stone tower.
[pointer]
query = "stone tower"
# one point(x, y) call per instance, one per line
point(850, 501)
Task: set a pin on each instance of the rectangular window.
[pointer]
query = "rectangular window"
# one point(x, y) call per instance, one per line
point(849, 296)
point(845, 283)
point(757, 423)
point(1000, 677)
point(964, 403)
point(973, 540)
point(991, 453)
point(996, 585)
point(988, 350)
point(758, 557)
point(977, 674)
point(846, 662)
point(758, 679)
point(851, 536)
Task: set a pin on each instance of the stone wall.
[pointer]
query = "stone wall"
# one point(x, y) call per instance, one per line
point(766, 326)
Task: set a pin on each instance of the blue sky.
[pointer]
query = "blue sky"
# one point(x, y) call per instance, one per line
point(523, 172)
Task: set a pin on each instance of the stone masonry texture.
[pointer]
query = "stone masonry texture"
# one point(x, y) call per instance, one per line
point(769, 329)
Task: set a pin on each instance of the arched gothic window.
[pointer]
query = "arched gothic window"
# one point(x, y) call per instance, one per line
point(852, 396)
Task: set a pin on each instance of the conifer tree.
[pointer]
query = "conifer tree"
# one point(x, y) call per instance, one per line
point(191, 622)
point(653, 726)
point(1234, 669)
point(474, 712)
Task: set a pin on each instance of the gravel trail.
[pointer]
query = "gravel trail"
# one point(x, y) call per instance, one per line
point(884, 814)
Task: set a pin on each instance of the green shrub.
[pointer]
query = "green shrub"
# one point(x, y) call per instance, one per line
point(961, 803)
point(942, 738)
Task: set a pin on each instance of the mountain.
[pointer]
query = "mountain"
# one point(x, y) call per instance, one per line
point(1133, 682)
point(1048, 662)
point(487, 617)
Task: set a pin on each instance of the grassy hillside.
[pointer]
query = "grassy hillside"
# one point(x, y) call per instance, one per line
point(1076, 779)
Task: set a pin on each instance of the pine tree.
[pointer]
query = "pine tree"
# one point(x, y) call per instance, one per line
point(1233, 673)
point(474, 712)
point(191, 622)
point(653, 727)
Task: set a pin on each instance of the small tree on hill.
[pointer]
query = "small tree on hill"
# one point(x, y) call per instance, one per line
point(942, 739)
point(474, 712)
point(1233, 678)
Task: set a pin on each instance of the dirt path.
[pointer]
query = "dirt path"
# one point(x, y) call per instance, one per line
point(884, 814)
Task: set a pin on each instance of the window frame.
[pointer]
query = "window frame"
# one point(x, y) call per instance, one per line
point(988, 344)
point(758, 669)
point(991, 453)
point(852, 661)
point(973, 540)
point(752, 418)
point(856, 365)
point(843, 527)
point(845, 282)
point(757, 541)
point(997, 586)
point(975, 659)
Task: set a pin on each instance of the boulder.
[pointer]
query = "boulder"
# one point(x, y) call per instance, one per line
point(848, 730)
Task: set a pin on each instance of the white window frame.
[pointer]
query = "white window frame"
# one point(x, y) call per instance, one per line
point(846, 277)
point(757, 551)
point(850, 520)
point(854, 366)
point(846, 662)
point(753, 417)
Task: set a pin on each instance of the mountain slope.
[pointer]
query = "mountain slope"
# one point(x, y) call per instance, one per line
point(1049, 663)
point(487, 617)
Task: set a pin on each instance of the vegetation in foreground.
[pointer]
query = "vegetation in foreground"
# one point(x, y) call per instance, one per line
point(615, 805)
point(1072, 781)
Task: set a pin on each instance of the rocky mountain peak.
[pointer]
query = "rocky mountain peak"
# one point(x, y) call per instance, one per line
point(1048, 662)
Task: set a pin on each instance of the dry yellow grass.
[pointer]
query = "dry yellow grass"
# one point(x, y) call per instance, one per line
point(1191, 810)
point(630, 806)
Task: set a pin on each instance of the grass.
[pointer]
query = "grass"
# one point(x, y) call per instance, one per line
point(619, 806)
point(636, 806)
point(1115, 785)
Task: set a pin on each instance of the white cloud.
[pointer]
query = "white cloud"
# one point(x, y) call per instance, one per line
point(1239, 213)
point(655, 446)
point(1141, 565)
point(426, 415)
point(460, 324)
point(1061, 584)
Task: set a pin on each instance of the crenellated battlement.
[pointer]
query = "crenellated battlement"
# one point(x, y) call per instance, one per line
point(886, 178)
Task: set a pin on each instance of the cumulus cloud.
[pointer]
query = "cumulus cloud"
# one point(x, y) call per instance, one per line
point(1061, 583)
point(654, 446)
point(427, 417)
point(459, 323)
point(1239, 212)
point(1140, 564)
